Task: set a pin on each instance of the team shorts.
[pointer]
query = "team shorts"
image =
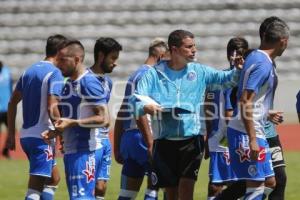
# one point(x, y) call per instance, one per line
point(80, 174)
point(276, 151)
point(134, 153)
point(243, 166)
point(104, 153)
point(175, 159)
point(40, 156)
point(220, 170)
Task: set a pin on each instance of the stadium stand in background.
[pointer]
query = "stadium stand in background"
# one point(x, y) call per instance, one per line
point(24, 26)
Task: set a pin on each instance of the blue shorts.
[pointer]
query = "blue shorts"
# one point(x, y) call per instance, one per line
point(241, 163)
point(104, 154)
point(40, 156)
point(220, 170)
point(80, 174)
point(134, 153)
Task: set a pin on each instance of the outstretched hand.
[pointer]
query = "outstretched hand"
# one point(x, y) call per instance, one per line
point(237, 61)
point(48, 135)
point(63, 123)
point(276, 116)
point(11, 142)
point(152, 109)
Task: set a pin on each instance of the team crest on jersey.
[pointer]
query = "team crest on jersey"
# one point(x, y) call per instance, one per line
point(154, 178)
point(261, 154)
point(191, 76)
point(227, 157)
point(49, 153)
point(244, 153)
point(89, 172)
point(252, 170)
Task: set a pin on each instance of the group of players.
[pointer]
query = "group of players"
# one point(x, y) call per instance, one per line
point(161, 136)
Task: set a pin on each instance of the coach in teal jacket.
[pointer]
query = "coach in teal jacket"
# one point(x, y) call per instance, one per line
point(188, 95)
point(178, 86)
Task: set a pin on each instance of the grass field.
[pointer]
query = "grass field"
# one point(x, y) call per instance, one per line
point(13, 180)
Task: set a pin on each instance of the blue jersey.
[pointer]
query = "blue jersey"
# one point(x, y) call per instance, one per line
point(129, 122)
point(5, 88)
point(36, 83)
point(217, 136)
point(258, 75)
point(106, 84)
point(77, 102)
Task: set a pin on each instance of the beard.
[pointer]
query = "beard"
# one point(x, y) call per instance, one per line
point(106, 67)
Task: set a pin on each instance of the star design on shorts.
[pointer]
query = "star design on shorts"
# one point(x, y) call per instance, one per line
point(89, 172)
point(243, 153)
point(261, 154)
point(49, 153)
point(227, 157)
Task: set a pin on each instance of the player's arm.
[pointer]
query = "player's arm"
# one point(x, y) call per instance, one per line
point(55, 86)
point(100, 118)
point(228, 105)
point(11, 119)
point(144, 126)
point(118, 131)
point(246, 105)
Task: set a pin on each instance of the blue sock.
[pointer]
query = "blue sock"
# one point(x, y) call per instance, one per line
point(48, 192)
point(32, 194)
point(254, 193)
point(150, 195)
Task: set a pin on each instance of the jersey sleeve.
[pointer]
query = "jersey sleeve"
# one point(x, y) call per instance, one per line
point(255, 77)
point(93, 91)
point(55, 83)
point(19, 85)
point(143, 88)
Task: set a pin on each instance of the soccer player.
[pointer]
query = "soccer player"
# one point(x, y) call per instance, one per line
point(38, 88)
point(84, 111)
point(218, 110)
point(178, 86)
point(249, 150)
point(6, 90)
point(106, 53)
point(130, 148)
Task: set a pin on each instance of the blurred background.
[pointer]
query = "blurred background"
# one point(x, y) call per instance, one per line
point(26, 24)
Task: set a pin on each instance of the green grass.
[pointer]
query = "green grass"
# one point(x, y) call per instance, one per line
point(13, 180)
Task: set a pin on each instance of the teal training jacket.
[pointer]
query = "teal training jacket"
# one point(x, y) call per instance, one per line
point(186, 93)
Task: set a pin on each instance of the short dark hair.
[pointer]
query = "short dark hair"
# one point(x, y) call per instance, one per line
point(78, 47)
point(273, 29)
point(106, 45)
point(176, 37)
point(53, 44)
point(239, 44)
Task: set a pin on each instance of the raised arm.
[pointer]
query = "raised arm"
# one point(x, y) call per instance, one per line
point(218, 79)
